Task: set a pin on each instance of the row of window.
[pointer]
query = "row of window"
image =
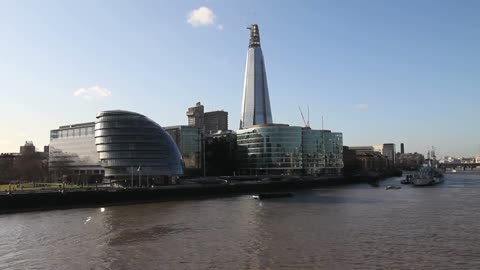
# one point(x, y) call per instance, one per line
point(73, 132)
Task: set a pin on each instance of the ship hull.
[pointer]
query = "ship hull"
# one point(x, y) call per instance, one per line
point(427, 181)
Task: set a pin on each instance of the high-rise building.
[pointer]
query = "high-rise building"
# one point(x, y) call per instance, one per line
point(208, 122)
point(256, 102)
point(215, 121)
point(388, 150)
point(279, 149)
point(196, 115)
point(402, 148)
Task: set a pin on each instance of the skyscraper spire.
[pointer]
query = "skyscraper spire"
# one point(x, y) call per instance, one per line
point(256, 101)
point(254, 36)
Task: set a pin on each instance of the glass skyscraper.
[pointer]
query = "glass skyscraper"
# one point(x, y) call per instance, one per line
point(256, 101)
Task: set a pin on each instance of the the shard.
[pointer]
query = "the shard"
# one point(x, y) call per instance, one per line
point(256, 102)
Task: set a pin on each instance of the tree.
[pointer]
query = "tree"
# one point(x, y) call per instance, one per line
point(29, 168)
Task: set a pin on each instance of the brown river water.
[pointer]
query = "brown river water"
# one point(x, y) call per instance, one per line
point(344, 227)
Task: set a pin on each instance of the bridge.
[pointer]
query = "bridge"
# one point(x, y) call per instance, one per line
point(459, 165)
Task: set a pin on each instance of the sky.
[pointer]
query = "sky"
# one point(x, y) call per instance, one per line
point(378, 71)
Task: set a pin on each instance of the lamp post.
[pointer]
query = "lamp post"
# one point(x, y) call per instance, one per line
point(139, 170)
point(131, 181)
point(203, 153)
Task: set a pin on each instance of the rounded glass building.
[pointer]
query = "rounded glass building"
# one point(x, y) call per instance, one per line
point(131, 144)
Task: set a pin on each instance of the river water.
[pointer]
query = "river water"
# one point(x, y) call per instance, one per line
point(346, 227)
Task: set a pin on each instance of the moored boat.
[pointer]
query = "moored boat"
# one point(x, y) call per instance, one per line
point(428, 174)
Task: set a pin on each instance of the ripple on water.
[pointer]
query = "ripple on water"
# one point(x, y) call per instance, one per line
point(352, 227)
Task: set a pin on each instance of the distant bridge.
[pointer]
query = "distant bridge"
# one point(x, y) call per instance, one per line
point(459, 165)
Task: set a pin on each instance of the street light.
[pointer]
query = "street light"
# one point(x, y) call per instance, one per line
point(139, 170)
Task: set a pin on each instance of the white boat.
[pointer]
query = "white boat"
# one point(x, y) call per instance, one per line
point(428, 174)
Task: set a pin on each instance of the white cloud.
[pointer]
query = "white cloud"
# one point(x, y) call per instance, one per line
point(220, 27)
point(201, 16)
point(361, 106)
point(93, 92)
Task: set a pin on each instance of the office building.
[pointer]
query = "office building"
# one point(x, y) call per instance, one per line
point(273, 149)
point(362, 149)
point(278, 149)
point(256, 101)
point(28, 148)
point(129, 144)
point(208, 122)
point(333, 152)
point(215, 121)
point(118, 146)
point(388, 150)
point(189, 141)
point(363, 158)
point(72, 154)
point(195, 115)
point(402, 148)
point(313, 151)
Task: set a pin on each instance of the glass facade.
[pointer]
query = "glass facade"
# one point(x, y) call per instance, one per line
point(281, 149)
point(189, 142)
point(333, 151)
point(72, 149)
point(313, 151)
point(270, 149)
point(256, 108)
point(129, 143)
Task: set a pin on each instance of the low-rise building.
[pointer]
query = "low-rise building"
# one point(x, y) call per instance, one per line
point(279, 149)
point(363, 158)
point(73, 156)
point(132, 146)
point(119, 146)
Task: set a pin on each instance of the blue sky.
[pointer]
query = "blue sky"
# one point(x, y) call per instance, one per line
point(378, 71)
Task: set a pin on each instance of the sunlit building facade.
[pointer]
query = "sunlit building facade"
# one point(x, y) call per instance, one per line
point(256, 101)
point(270, 149)
point(277, 149)
point(313, 151)
point(129, 143)
point(72, 153)
point(333, 152)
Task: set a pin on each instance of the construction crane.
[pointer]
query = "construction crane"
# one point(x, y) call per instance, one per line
point(307, 122)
